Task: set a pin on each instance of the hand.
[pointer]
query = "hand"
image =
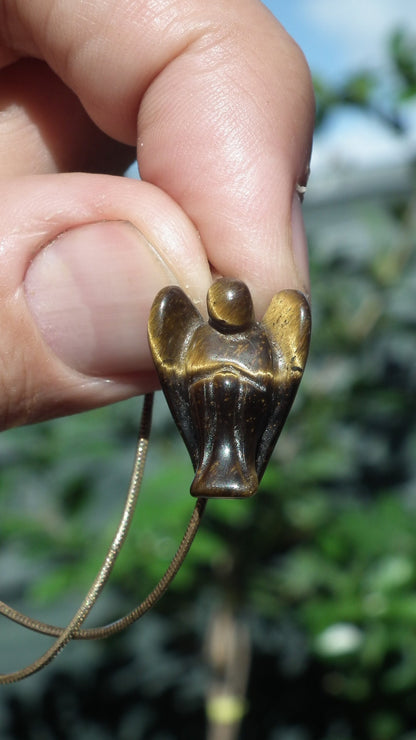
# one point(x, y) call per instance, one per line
point(218, 101)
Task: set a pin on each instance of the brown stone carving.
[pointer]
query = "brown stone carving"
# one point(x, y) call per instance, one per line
point(229, 382)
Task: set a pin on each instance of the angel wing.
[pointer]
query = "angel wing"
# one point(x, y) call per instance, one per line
point(287, 323)
point(172, 323)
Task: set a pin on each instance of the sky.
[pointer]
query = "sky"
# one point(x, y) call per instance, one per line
point(341, 37)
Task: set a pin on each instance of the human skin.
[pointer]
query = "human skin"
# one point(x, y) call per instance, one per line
point(216, 99)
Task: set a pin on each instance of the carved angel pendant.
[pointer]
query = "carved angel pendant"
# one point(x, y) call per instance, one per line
point(229, 382)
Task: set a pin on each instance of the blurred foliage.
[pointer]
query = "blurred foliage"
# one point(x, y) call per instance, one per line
point(321, 564)
point(380, 93)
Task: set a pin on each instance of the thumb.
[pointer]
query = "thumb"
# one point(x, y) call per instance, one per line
point(76, 289)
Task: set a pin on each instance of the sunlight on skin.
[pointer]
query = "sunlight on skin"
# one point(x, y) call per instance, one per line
point(222, 120)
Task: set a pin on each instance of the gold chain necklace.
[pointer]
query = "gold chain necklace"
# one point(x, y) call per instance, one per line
point(229, 383)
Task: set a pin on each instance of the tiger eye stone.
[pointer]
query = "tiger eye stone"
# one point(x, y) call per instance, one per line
point(229, 382)
point(230, 307)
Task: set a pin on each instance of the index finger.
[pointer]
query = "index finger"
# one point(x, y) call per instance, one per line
point(219, 100)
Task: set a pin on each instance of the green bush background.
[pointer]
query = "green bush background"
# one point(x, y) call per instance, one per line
point(320, 565)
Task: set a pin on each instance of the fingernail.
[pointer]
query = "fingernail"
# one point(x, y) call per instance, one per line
point(90, 292)
point(299, 246)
